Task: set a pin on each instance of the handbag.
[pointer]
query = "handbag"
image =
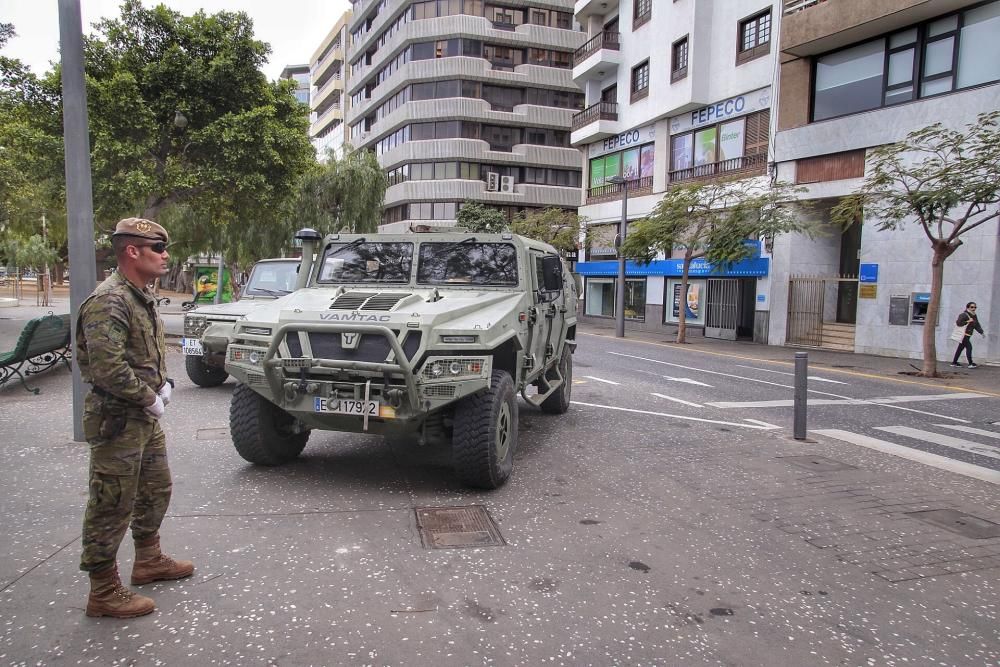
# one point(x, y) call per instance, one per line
point(957, 334)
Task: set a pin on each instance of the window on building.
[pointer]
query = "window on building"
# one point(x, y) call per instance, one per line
point(940, 56)
point(632, 163)
point(755, 37)
point(679, 59)
point(640, 81)
point(737, 145)
point(610, 94)
point(601, 294)
point(642, 11)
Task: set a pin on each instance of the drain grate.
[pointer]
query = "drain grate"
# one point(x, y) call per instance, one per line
point(457, 527)
point(959, 522)
point(816, 463)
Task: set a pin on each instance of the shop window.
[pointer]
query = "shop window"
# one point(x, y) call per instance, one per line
point(732, 145)
point(601, 294)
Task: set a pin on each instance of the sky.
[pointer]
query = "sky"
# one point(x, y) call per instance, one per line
point(293, 28)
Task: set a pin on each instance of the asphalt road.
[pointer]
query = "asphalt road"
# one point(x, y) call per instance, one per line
point(653, 524)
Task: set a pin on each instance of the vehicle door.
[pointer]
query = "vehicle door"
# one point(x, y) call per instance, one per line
point(539, 316)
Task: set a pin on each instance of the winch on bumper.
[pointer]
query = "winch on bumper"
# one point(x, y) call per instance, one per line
point(353, 378)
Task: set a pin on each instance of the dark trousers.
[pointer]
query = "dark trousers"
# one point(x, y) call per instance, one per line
point(966, 345)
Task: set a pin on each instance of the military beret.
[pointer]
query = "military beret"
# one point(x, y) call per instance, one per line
point(141, 228)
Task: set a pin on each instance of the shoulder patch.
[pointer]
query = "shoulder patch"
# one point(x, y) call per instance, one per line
point(117, 334)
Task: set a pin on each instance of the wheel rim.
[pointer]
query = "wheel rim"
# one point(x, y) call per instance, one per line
point(503, 432)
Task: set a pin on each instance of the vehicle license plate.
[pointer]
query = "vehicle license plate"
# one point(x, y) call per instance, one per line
point(345, 406)
point(192, 347)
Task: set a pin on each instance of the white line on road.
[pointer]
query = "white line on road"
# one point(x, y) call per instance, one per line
point(601, 379)
point(969, 429)
point(664, 414)
point(811, 377)
point(686, 381)
point(945, 440)
point(677, 400)
point(923, 397)
point(940, 462)
point(885, 400)
point(757, 421)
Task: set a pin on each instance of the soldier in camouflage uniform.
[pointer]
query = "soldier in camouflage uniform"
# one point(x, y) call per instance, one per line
point(120, 349)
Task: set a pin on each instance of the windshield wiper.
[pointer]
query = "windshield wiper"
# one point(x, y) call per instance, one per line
point(353, 244)
point(452, 246)
point(273, 292)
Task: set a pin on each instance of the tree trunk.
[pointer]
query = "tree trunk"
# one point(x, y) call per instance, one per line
point(682, 301)
point(941, 252)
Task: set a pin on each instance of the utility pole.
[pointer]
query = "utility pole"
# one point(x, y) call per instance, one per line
point(620, 293)
point(79, 193)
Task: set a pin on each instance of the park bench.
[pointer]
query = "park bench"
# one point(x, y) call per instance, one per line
point(43, 343)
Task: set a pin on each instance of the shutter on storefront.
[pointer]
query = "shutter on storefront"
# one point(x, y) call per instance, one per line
point(757, 132)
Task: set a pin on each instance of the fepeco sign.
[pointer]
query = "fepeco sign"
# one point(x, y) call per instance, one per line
point(739, 105)
point(627, 139)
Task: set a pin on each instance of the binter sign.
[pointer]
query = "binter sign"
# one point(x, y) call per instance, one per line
point(723, 110)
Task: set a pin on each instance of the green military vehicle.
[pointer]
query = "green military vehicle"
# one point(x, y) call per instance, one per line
point(424, 337)
point(207, 328)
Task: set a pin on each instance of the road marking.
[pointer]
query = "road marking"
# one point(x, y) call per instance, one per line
point(664, 414)
point(885, 400)
point(945, 440)
point(922, 397)
point(768, 370)
point(677, 400)
point(687, 381)
point(926, 458)
point(969, 429)
point(757, 421)
point(887, 378)
point(601, 379)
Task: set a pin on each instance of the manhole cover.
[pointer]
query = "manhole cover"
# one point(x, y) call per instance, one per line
point(456, 527)
point(213, 433)
point(816, 463)
point(959, 522)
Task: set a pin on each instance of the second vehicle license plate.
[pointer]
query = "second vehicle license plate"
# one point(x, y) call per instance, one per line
point(346, 406)
point(192, 347)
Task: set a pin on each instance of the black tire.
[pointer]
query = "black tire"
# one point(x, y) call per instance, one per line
point(485, 434)
point(262, 432)
point(558, 402)
point(202, 374)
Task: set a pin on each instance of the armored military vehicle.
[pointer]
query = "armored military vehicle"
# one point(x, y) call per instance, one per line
point(206, 329)
point(423, 337)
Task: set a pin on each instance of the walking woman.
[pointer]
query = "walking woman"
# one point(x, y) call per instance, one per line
point(967, 319)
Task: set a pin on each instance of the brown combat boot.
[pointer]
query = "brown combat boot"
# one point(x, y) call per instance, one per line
point(109, 598)
point(151, 564)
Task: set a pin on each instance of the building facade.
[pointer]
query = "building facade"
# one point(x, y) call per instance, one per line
point(676, 92)
point(328, 80)
point(854, 75)
point(465, 100)
point(300, 75)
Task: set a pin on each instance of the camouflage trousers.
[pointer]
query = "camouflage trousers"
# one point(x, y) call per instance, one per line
point(129, 482)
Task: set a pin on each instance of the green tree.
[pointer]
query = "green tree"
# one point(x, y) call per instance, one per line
point(947, 181)
point(477, 217)
point(712, 220)
point(557, 227)
point(343, 194)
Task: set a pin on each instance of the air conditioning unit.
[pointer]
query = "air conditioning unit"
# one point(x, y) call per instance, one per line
point(492, 181)
point(507, 184)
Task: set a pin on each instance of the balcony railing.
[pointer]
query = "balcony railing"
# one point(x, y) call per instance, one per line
point(611, 191)
point(792, 6)
point(738, 165)
point(595, 112)
point(602, 40)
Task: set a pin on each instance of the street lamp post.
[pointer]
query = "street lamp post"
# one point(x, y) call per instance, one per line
point(620, 292)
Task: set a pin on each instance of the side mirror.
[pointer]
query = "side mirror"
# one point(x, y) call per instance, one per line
point(552, 273)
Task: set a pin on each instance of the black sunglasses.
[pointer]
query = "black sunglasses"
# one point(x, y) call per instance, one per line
point(972, 307)
point(159, 247)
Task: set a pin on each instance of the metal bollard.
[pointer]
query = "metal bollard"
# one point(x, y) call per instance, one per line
point(801, 373)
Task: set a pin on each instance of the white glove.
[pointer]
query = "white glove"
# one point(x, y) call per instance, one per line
point(155, 409)
point(165, 392)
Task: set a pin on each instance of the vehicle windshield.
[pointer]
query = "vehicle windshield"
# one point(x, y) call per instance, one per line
point(271, 279)
point(363, 262)
point(467, 263)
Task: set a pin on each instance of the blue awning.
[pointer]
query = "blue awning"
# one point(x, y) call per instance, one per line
point(756, 267)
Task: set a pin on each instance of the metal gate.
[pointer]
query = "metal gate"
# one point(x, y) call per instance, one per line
point(813, 300)
point(722, 308)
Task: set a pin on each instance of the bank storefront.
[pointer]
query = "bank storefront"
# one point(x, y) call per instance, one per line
point(720, 302)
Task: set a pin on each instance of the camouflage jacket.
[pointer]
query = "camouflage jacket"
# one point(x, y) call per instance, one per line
point(119, 341)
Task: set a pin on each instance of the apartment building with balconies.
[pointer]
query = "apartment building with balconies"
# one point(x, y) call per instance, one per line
point(676, 92)
point(328, 80)
point(854, 75)
point(466, 100)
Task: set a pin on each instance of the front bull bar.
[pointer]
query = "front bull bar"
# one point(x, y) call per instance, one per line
point(272, 364)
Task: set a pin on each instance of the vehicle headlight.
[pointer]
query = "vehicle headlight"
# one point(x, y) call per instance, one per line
point(194, 325)
point(253, 356)
point(455, 367)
